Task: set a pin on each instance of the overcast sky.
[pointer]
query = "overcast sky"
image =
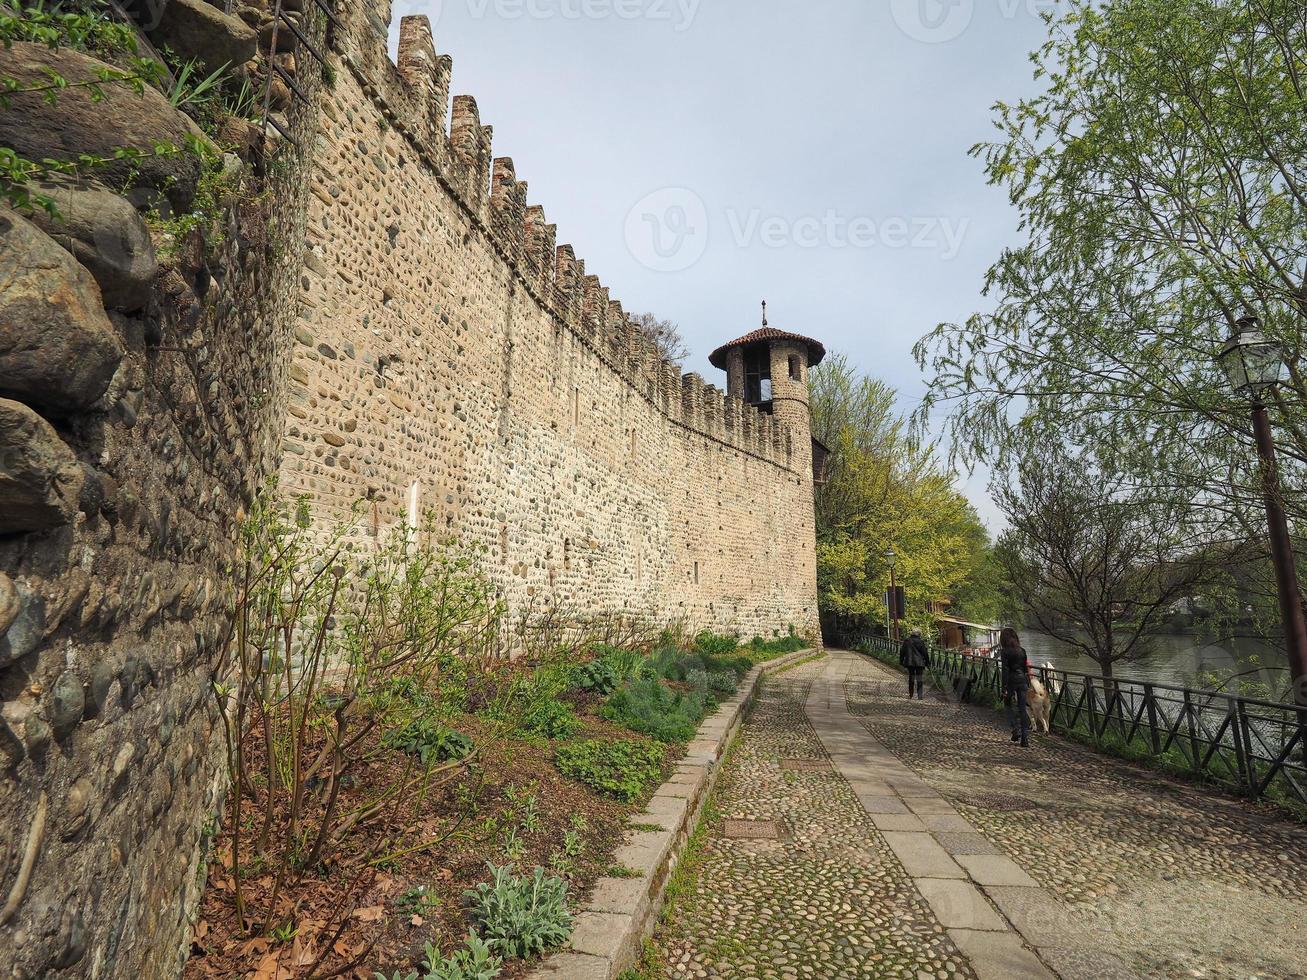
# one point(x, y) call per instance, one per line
point(702, 155)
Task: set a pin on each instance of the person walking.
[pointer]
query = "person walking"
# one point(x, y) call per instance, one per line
point(1015, 672)
point(914, 657)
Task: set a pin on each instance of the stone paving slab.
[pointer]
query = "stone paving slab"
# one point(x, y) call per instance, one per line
point(999, 956)
point(898, 821)
point(995, 870)
point(1086, 963)
point(959, 843)
point(1040, 918)
point(921, 855)
point(960, 905)
point(607, 935)
point(573, 966)
point(882, 804)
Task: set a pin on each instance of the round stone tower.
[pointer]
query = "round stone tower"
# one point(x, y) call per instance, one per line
point(768, 368)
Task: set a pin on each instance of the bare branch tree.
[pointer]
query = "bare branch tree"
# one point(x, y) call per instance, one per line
point(1092, 561)
point(665, 336)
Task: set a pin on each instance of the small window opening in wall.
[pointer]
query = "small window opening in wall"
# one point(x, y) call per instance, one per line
point(796, 372)
point(632, 442)
point(576, 406)
point(696, 573)
point(567, 553)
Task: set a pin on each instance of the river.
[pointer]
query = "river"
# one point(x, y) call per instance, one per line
point(1176, 659)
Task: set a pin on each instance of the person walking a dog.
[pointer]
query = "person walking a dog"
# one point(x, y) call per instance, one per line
point(914, 657)
point(1015, 672)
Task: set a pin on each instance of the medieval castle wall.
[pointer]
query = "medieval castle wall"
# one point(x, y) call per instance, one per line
point(384, 315)
point(445, 340)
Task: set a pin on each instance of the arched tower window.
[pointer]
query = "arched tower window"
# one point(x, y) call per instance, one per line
point(796, 369)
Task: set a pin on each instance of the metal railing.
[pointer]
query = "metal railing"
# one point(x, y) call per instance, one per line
point(1254, 747)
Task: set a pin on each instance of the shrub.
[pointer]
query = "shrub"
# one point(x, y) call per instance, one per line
point(761, 649)
point(553, 719)
point(474, 961)
point(619, 768)
point(597, 676)
point(521, 916)
point(716, 644)
point(651, 708)
point(723, 681)
point(627, 665)
point(429, 740)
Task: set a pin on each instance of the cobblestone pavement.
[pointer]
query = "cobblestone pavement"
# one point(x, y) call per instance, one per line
point(827, 900)
point(1180, 880)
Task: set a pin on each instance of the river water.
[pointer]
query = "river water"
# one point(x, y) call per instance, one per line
point(1176, 659)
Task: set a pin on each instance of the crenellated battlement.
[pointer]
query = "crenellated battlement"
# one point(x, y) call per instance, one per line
point(413, 95)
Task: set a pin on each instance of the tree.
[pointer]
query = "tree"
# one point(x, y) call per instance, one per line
point(882, 490)
point(1094, 562)
point(665, 336)
point(1161, 178)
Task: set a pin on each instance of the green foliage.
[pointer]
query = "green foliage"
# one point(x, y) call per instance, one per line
point(883, 490)
point(190, 89)
point(429, 740)
point(626, 664)
point(90, 26)
point(521, 916)
point(760, 649)
point(619, 768)
point(597, 675)
point(553, 719)
point(611, 668)
point(1159, 180)
point(475, 961)
point(417, 900)
point(716, 645)
point(651, 708)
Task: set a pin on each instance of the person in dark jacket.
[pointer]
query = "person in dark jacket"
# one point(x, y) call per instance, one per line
point(1015, 672)
point(914, 656)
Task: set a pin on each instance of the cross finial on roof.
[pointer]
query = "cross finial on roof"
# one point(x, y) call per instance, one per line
point(764, 313)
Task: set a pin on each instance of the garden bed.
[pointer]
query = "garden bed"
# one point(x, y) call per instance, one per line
point(397, 882)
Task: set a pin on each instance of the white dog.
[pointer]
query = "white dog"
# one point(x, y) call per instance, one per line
point(1038, 701)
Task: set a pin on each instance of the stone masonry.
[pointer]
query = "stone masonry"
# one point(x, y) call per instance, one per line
point(446, 342)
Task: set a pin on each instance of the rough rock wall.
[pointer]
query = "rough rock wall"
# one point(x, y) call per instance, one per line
point(141, 406)
point(446, 341)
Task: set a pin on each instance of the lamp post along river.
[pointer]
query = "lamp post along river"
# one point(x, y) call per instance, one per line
point(1253, 364)
point(892, 600)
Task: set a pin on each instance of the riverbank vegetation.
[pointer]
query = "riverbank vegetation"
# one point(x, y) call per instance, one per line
point(1160, 181)
point(884, 490)
point(418, 782)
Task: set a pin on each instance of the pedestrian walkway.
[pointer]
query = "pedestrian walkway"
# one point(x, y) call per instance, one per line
point(916, 841)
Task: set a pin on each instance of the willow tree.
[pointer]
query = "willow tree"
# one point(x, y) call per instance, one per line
point(1161, 178)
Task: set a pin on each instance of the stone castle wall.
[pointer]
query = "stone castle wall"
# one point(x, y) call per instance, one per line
point(446, 341)
point(141, 408)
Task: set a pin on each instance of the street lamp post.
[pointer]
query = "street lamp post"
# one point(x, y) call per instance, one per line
point(1253, 364)
point(892, 603)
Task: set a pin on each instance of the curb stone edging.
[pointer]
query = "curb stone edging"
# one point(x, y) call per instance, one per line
point(611, 924)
